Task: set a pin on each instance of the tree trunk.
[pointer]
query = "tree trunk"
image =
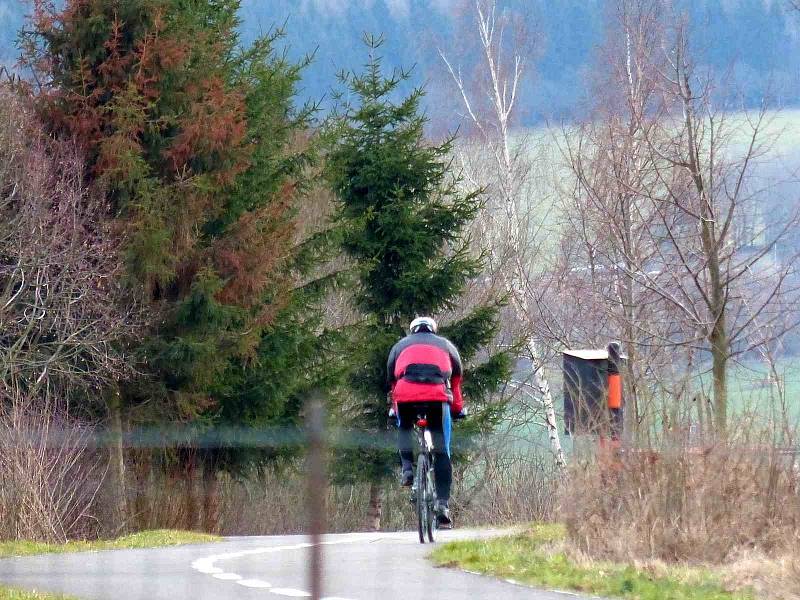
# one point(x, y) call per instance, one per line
point(192, 508)
point(718, 337)
point(549, 410)
point(516, 288)
point(211, 501)
point(719, 373)
point(117, 459)
point(716, 295)
point(375, 509)
point(495, 130)
point(631, 408)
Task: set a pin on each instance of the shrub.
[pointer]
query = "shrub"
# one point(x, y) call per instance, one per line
point(683, 503)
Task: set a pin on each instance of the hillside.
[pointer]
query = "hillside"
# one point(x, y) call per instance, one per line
point(759, 36)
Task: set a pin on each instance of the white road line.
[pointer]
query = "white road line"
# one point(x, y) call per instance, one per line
point(206, 565)
point(290, 592)
point(254, 583)
point(227, 576)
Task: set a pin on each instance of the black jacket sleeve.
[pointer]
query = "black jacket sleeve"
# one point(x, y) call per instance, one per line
point(390, 364)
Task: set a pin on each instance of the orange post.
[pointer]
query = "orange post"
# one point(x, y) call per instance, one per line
point(614, 391)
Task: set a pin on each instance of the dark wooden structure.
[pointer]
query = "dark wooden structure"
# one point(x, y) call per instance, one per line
point(593, 391)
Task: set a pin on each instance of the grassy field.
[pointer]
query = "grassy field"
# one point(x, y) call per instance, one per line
point(144, 539)
point(539, 557)
point(750, 392)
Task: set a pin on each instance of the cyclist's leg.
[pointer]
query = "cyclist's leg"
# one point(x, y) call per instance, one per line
point(406, 417)
point(439, 424)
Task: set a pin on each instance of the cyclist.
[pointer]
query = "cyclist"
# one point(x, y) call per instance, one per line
point(424, 372)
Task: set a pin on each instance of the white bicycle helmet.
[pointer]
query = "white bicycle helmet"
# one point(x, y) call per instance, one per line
point(423, 323)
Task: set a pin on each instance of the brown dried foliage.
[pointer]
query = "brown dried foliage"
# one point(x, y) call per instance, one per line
point(213, 125)
point(111, 103)
point(253, 257)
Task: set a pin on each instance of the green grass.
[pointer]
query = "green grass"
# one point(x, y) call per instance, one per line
point(7, 593)
point(144, 539)
point(526, 558)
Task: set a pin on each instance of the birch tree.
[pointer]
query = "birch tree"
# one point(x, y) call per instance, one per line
point(490, 110)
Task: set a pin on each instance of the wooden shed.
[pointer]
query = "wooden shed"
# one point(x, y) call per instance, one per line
point(593, 398)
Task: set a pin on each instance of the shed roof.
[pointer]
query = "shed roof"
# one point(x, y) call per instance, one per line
point(588, 354)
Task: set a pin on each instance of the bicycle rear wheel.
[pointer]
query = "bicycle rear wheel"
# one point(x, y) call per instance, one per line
point(423, 493)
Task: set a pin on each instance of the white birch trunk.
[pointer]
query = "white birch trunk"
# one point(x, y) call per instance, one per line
point(502, 92)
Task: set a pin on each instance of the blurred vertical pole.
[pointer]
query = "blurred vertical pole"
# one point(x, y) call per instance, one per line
point(317, 484)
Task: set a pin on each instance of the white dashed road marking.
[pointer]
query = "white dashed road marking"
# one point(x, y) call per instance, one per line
point(206, 566)
point(290, 592)
point(254, 583)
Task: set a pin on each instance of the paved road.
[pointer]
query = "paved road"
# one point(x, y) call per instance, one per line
point(359, 566)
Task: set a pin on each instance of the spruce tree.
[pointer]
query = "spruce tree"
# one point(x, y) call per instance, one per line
point(198, 145)
point(403, 216)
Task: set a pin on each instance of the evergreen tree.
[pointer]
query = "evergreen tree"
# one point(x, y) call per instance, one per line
point(201, 151)
point(403, 217)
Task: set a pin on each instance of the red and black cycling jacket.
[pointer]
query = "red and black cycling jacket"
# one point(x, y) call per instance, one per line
point(425, 367)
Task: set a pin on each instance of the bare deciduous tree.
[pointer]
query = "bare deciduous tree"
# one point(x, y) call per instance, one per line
point(670, 205)
point(62, 309)
point(502, 164)
point(605, 221)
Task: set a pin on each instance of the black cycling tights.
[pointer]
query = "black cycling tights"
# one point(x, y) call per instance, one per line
point(434, 413)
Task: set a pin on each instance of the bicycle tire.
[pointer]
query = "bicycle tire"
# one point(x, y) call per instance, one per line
point(423, 508)
point(432, 522)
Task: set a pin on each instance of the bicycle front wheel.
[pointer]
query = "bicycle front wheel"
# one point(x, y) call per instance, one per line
point(423, 495)
point(432, 524)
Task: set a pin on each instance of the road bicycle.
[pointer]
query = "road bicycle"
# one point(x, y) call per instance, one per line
point(423, 490)
point(423, 487)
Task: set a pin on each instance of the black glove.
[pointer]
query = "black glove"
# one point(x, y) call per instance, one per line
point(461, 415)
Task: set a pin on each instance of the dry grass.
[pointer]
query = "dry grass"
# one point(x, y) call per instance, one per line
point(48, 477)
point(506, 488)
point(678, 504)
point(273, 500)
point(732, 507)
point(772, 578)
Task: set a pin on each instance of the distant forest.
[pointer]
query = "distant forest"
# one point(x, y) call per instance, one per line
point(758, 39)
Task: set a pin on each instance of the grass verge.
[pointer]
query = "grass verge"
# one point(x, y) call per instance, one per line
point(143, 539)
point(539, 557)
point(7, 593)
